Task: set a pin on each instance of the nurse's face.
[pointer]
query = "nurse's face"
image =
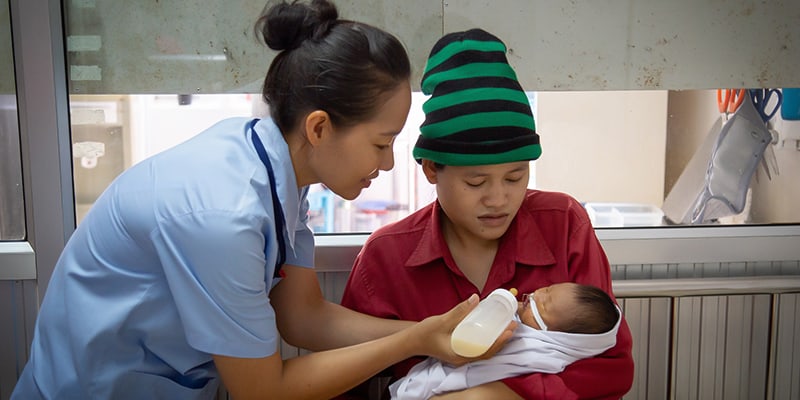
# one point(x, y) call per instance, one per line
point(480, 201)
point(353, 156)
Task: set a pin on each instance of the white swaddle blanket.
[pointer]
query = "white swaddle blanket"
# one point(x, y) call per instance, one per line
point(529, 350)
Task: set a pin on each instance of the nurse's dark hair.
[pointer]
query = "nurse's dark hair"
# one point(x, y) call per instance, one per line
point(595, 311)
point(325, 63)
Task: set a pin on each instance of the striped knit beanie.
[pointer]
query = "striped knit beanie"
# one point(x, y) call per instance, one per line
point(478, 113)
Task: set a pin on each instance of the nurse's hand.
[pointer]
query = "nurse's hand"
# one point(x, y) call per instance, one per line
point(433, 334)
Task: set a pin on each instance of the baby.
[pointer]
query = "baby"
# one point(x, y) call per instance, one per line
point(569, 307)
point(561, 323)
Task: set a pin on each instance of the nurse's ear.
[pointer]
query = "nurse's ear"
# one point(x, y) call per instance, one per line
point(430, 171)
point(317, 126)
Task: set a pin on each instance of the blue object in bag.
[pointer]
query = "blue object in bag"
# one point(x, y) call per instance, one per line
point(790, 109)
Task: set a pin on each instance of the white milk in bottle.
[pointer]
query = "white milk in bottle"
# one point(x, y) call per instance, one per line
point(480, 328)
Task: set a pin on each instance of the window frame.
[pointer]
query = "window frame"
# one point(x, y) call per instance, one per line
point(39, 67)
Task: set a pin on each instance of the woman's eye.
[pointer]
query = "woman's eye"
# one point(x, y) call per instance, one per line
point(474, 184)
point(514, 180)
point(386, 146)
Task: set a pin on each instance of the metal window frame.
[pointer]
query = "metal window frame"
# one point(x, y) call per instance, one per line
point(42, 101)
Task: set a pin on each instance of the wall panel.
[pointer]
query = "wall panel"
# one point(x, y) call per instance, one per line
point(17, 326)
point(650, 321)
point(644, 44)
point(162, 47)
point(786, 348)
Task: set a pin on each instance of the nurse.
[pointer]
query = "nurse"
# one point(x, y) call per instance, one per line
point(486, 229)
point(195, 263)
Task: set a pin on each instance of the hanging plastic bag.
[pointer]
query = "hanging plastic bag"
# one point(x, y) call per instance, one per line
point(737, 152)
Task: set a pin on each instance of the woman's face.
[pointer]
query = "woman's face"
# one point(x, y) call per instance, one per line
point(480, 201)
point(555, 303)
point(352, 157)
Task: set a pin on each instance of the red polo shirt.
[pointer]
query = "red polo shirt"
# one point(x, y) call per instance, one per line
point(405, 271)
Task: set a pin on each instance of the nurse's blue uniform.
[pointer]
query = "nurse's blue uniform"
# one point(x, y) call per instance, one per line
point(173, 263)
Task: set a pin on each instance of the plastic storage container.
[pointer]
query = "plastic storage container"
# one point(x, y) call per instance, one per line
point(483, 325)
point(624, 214)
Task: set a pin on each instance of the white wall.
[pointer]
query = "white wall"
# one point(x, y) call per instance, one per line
point(603, 146)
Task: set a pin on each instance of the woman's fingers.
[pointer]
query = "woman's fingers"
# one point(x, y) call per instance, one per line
point(434, 332)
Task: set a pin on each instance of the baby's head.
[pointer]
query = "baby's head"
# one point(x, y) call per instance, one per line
point(569, 307)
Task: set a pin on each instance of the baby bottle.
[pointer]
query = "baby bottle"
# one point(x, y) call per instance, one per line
point(480, 328)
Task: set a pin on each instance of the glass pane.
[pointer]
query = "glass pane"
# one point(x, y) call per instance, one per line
point(624, 155)
point(634, 157)
point(111, 133)
point(12, 207)
point(201, 46)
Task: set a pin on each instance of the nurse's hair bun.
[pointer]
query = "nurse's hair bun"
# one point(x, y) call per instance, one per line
point(285, 26)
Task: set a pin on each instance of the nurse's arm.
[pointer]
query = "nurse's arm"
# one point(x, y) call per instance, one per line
point(323, 375)
point(305, 319)
point(315, 376)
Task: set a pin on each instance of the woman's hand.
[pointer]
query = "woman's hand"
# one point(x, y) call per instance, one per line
point(433, 334)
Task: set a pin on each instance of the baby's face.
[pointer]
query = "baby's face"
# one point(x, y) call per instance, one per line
point(555, 304)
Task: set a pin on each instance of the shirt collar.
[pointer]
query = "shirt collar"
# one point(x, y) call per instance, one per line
point(530, 248)
point(285, 179)
point(431, 245)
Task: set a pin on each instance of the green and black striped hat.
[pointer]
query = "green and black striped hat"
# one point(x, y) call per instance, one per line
point(478, 113)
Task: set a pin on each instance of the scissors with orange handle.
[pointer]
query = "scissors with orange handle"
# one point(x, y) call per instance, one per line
point(729, 100)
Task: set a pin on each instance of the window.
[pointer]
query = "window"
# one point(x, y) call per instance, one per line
point(12, 207)
point(622, 153)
